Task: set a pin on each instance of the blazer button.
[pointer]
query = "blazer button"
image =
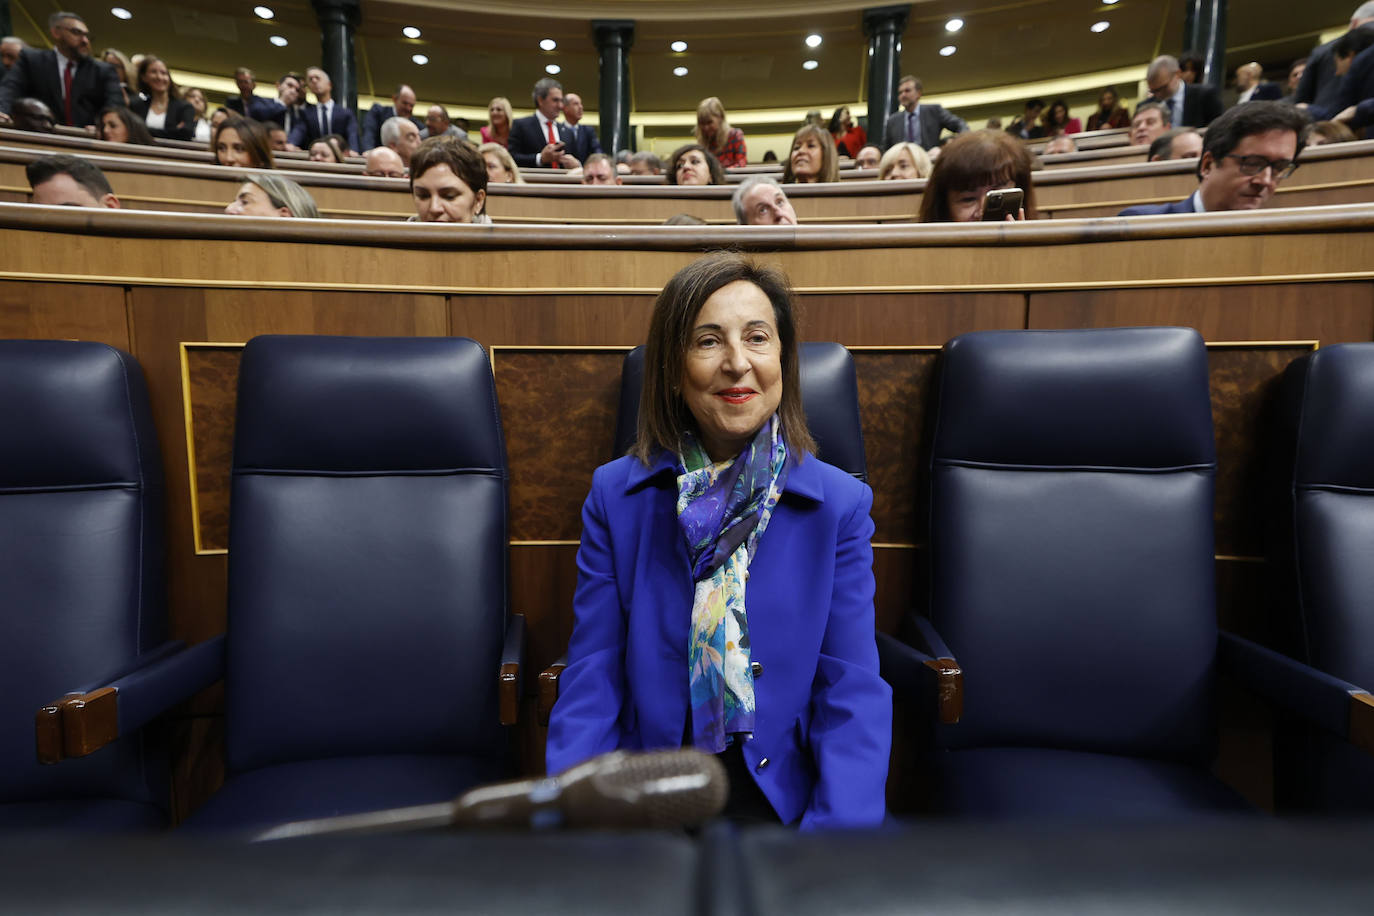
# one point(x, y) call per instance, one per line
point(763, 765)
point(756, 668)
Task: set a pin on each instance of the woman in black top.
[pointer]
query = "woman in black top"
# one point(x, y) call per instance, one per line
point(160, 105)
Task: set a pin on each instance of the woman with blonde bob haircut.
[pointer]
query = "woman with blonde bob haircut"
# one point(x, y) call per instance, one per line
point(969, 166)
point(813, 157)
point(501, 167)
point(904, 160)
point(272, 195)
point(714, 133)
point(722, 482)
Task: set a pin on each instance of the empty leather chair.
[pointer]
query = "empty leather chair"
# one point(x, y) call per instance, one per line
point(1071, 489)
point(82, 593)
point(367, 617)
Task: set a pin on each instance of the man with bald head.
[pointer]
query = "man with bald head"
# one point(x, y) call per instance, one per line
point(326, 116)
point(582, 141)
point(402, 106)
point(382, 162)
point(439, 124)
point(10, 46)
point(1251, 86)
point(1188, 105)
point(401, 136)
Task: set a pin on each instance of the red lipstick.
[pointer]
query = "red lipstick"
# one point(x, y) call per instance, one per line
point(736, 395)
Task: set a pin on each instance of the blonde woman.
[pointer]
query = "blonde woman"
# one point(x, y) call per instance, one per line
point(501, 167)
point(904, 161)
point(713, 132)
point(499, 115)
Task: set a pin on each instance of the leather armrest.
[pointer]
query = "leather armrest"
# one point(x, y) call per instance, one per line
point(548, 687)
point(932, 678)
point(511, 684)
point(84, 721)
point(1328, 702)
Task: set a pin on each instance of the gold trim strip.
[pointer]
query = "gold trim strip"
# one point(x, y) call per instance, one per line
point(1232, 558)
point(1260, 344)
point(893, 545)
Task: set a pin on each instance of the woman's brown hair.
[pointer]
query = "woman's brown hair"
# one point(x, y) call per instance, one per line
point(712, 163)
point(830, 159)
point(663, 413)
point(973, 160)
point(254, 136)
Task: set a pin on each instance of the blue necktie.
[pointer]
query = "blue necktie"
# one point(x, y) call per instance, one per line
point(910, 130)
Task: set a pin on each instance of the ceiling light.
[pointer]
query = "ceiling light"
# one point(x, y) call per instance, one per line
point(678, 46)
point(264, 12)
point(954, 24)
point(947, 50)
point(1102, 26)
point(553, 69)
point(810, 64)
point(419, 59)
point(278, 41)
point(899, 47)
point(813, 41)
point(1108, 2)
point(679, 71)
point(120, 12)
point(410, 32)
point(548, 44)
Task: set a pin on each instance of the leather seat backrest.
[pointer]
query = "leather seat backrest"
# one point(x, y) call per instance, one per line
point(367, 564)
point(1071, 538)
point(82, 590)
point(830, 395)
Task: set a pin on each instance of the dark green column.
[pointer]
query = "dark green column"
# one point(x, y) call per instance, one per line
point(884, 26)
point(1204, 33)
point(614, 37)
point(338, 19)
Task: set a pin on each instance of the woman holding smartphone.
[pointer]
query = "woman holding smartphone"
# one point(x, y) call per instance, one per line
point(975, 176)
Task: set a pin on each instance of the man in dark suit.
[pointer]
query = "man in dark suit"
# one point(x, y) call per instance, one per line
point(10, 47)
point(402, 106)
point(1189, 105)
point(325, 117)
point(582, 141)
point(66, 79)
point(250, 105)
point(1245, 154)
point(539, 140)
point(918, 123)
point(1252, 87)
point(1320, 81)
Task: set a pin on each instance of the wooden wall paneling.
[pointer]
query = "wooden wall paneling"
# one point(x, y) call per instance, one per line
point(555, 319)
point(64, 311)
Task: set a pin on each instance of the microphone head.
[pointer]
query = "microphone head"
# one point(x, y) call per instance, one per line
point(672, 788)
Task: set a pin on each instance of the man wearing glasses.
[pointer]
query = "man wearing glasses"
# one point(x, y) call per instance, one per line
point(66, 79)
point(1188, 104)
point(1245, 154)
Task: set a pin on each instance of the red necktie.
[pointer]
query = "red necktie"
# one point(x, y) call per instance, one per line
point(552, 139)
point(67, 92)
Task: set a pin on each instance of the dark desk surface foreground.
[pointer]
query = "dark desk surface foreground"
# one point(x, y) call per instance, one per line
point(1249, 866)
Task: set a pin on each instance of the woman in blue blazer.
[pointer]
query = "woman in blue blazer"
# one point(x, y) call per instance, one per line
point(725, 588)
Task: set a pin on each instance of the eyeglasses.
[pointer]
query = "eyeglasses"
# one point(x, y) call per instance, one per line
point(79, 33)
point(1254, 165)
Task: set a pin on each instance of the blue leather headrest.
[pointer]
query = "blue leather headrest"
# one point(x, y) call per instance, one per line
point(830, 396)
point(70, 415)
point(1337, 416)
point(308, 396)
point(1109, 398)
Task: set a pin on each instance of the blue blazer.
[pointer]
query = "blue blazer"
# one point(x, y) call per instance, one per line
point(1179, 206)
point(823, 725)
point(306, 130)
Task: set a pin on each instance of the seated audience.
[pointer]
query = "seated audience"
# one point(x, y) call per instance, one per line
point(645, 163)
point(326, 116)
point(196, 98)
point(1246, 153)
point(599, 169)
point(905, 161)
point(1324, 132)
point(760, 201)
point(160, 104)
point(849, 136)
point(32, 114)
point(1185, 143)
point(328, 149)
point(499, 117)
point(870, 157)
point(218, 117)
point(501, 167)
point(722, 454)
point(273, 195)
point(69, 181)
point(1110, 113)
point(685, 219)
point(448, 182)
point(402, 106)
point(971, 165)
point(1056, 120)
point(1027, 126)
point(1150, 120)
point(693, 164)
point(1060, 143)
point(715, 134)
point(276, 137)
point(439, 124)
point(769, 156)
point(401, 136)
point(120, 125)
point(1189, 104)
point(994, 123)
point(813, 157)
point(242, 143)
point(1250, 84)
point(124, 69)
point(381, 162)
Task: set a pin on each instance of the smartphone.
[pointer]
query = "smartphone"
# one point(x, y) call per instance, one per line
point(997, 204)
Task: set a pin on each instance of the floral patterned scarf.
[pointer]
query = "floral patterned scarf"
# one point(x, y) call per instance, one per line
point(723, 509)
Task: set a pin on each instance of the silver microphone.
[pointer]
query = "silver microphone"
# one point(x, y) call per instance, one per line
point(622, 789)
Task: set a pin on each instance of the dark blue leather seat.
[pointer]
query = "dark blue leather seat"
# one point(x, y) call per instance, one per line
point(1071, 490)
point(82, 592)
point(367, 580)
